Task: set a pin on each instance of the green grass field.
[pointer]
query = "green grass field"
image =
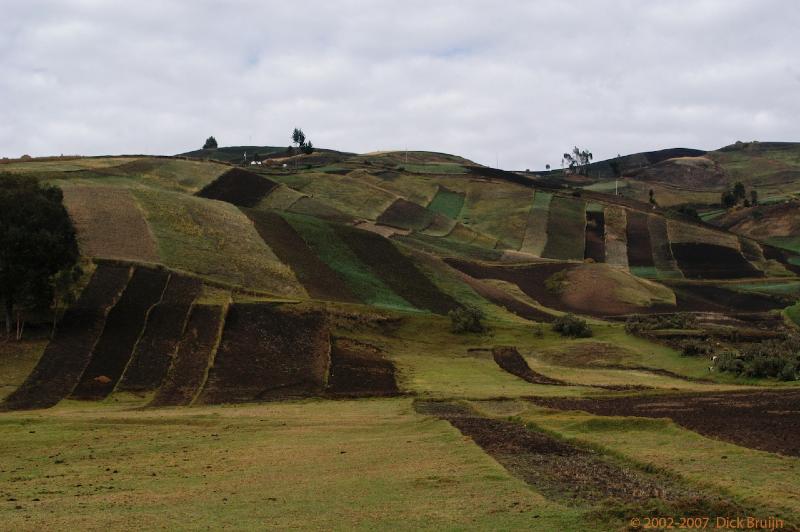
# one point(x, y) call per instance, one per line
point(447, 202)
point(500, 211)
point(256, 467)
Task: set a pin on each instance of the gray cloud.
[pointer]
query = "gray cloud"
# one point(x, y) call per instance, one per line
point(520, 81)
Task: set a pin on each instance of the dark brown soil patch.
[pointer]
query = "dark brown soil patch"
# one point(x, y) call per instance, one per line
point(358, 370)
point(269, 352)
point(529, 278)
point(506, 301)
point(124, 325)
point(709, 298)
point(510, 360)
point(319, 280)
point(188, 371)
point(707, 261)
point(405, 214)
point(67, 355)
point(564, 471)
point(595, 236)
point(240, 187)
point(640, 251)
point(159, 342)
point(396, 270)
point(765, 420)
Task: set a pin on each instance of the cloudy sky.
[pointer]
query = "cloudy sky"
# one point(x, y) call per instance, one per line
point(518, 81)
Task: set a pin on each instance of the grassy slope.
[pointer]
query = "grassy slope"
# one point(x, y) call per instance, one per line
point(215, 240)
point(566, 229)
point(499, 210)
point(198, 467)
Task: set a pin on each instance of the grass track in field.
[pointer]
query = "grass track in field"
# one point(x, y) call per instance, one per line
point(536, 231)
point(330, 248)
point(447, 202)
point(566, 229)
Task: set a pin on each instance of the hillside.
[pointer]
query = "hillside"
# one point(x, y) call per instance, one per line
point(210, 281)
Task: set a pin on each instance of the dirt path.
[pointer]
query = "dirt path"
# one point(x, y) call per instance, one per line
point(764, 420)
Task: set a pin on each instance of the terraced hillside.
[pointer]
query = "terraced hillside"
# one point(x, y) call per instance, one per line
point(256, 293)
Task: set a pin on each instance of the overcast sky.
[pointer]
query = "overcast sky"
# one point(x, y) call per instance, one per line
point(519, 81)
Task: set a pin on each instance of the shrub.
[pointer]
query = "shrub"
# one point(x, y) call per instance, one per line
point(572, 326)
point(773, 359)
point(694, 348)
point(467, 320)
point(557, 282)
point(538, 331)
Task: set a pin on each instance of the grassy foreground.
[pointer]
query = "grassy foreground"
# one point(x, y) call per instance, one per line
point(312, 464)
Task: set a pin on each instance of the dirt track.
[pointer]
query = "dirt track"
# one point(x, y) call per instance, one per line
point(764, 420)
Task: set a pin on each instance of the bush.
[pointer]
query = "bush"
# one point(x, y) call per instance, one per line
point(572, 326)
point(773, 359)
point(680, 320)
point(694, 348)
point(556, 283)
point(467, 320)
point(538, 331)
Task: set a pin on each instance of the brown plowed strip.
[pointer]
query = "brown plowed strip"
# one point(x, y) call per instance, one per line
point(110, 223)
point(156, 348)
point(319, 280)
point(360, 370)
point(708, 261)
point(595, 236)
point(765, 420)
point(188, 370)
point(565, 472)
point(268, 352)
point(510, 360)
point(239, 187)
point(124, 325)
point(640, 251)
point(68, 354)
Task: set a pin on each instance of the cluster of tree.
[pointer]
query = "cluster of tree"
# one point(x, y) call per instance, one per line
point(467, 320)
point(303, 144)
point(38, 250)
point(577, 161)
point(211, 144)
point(572, 326)
point(738, 196)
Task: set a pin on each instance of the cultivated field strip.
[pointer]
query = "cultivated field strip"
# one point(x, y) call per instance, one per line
point(709, 261)
point(124, 326)
point(637, 236)
point(566, 228)
point(499, 210)
point(268, 352)
point(109, 223)
point(156, 348)
point(332, 250)
point(404, 214)
point(536, 230)
point(239, 187)
point(396, 270)
point(663, 259)
point(447, 202)
point(68, 354)
point(318, 279)
point(359, 370)
point(616, 241)
point(595, 233)
point(189, 369)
